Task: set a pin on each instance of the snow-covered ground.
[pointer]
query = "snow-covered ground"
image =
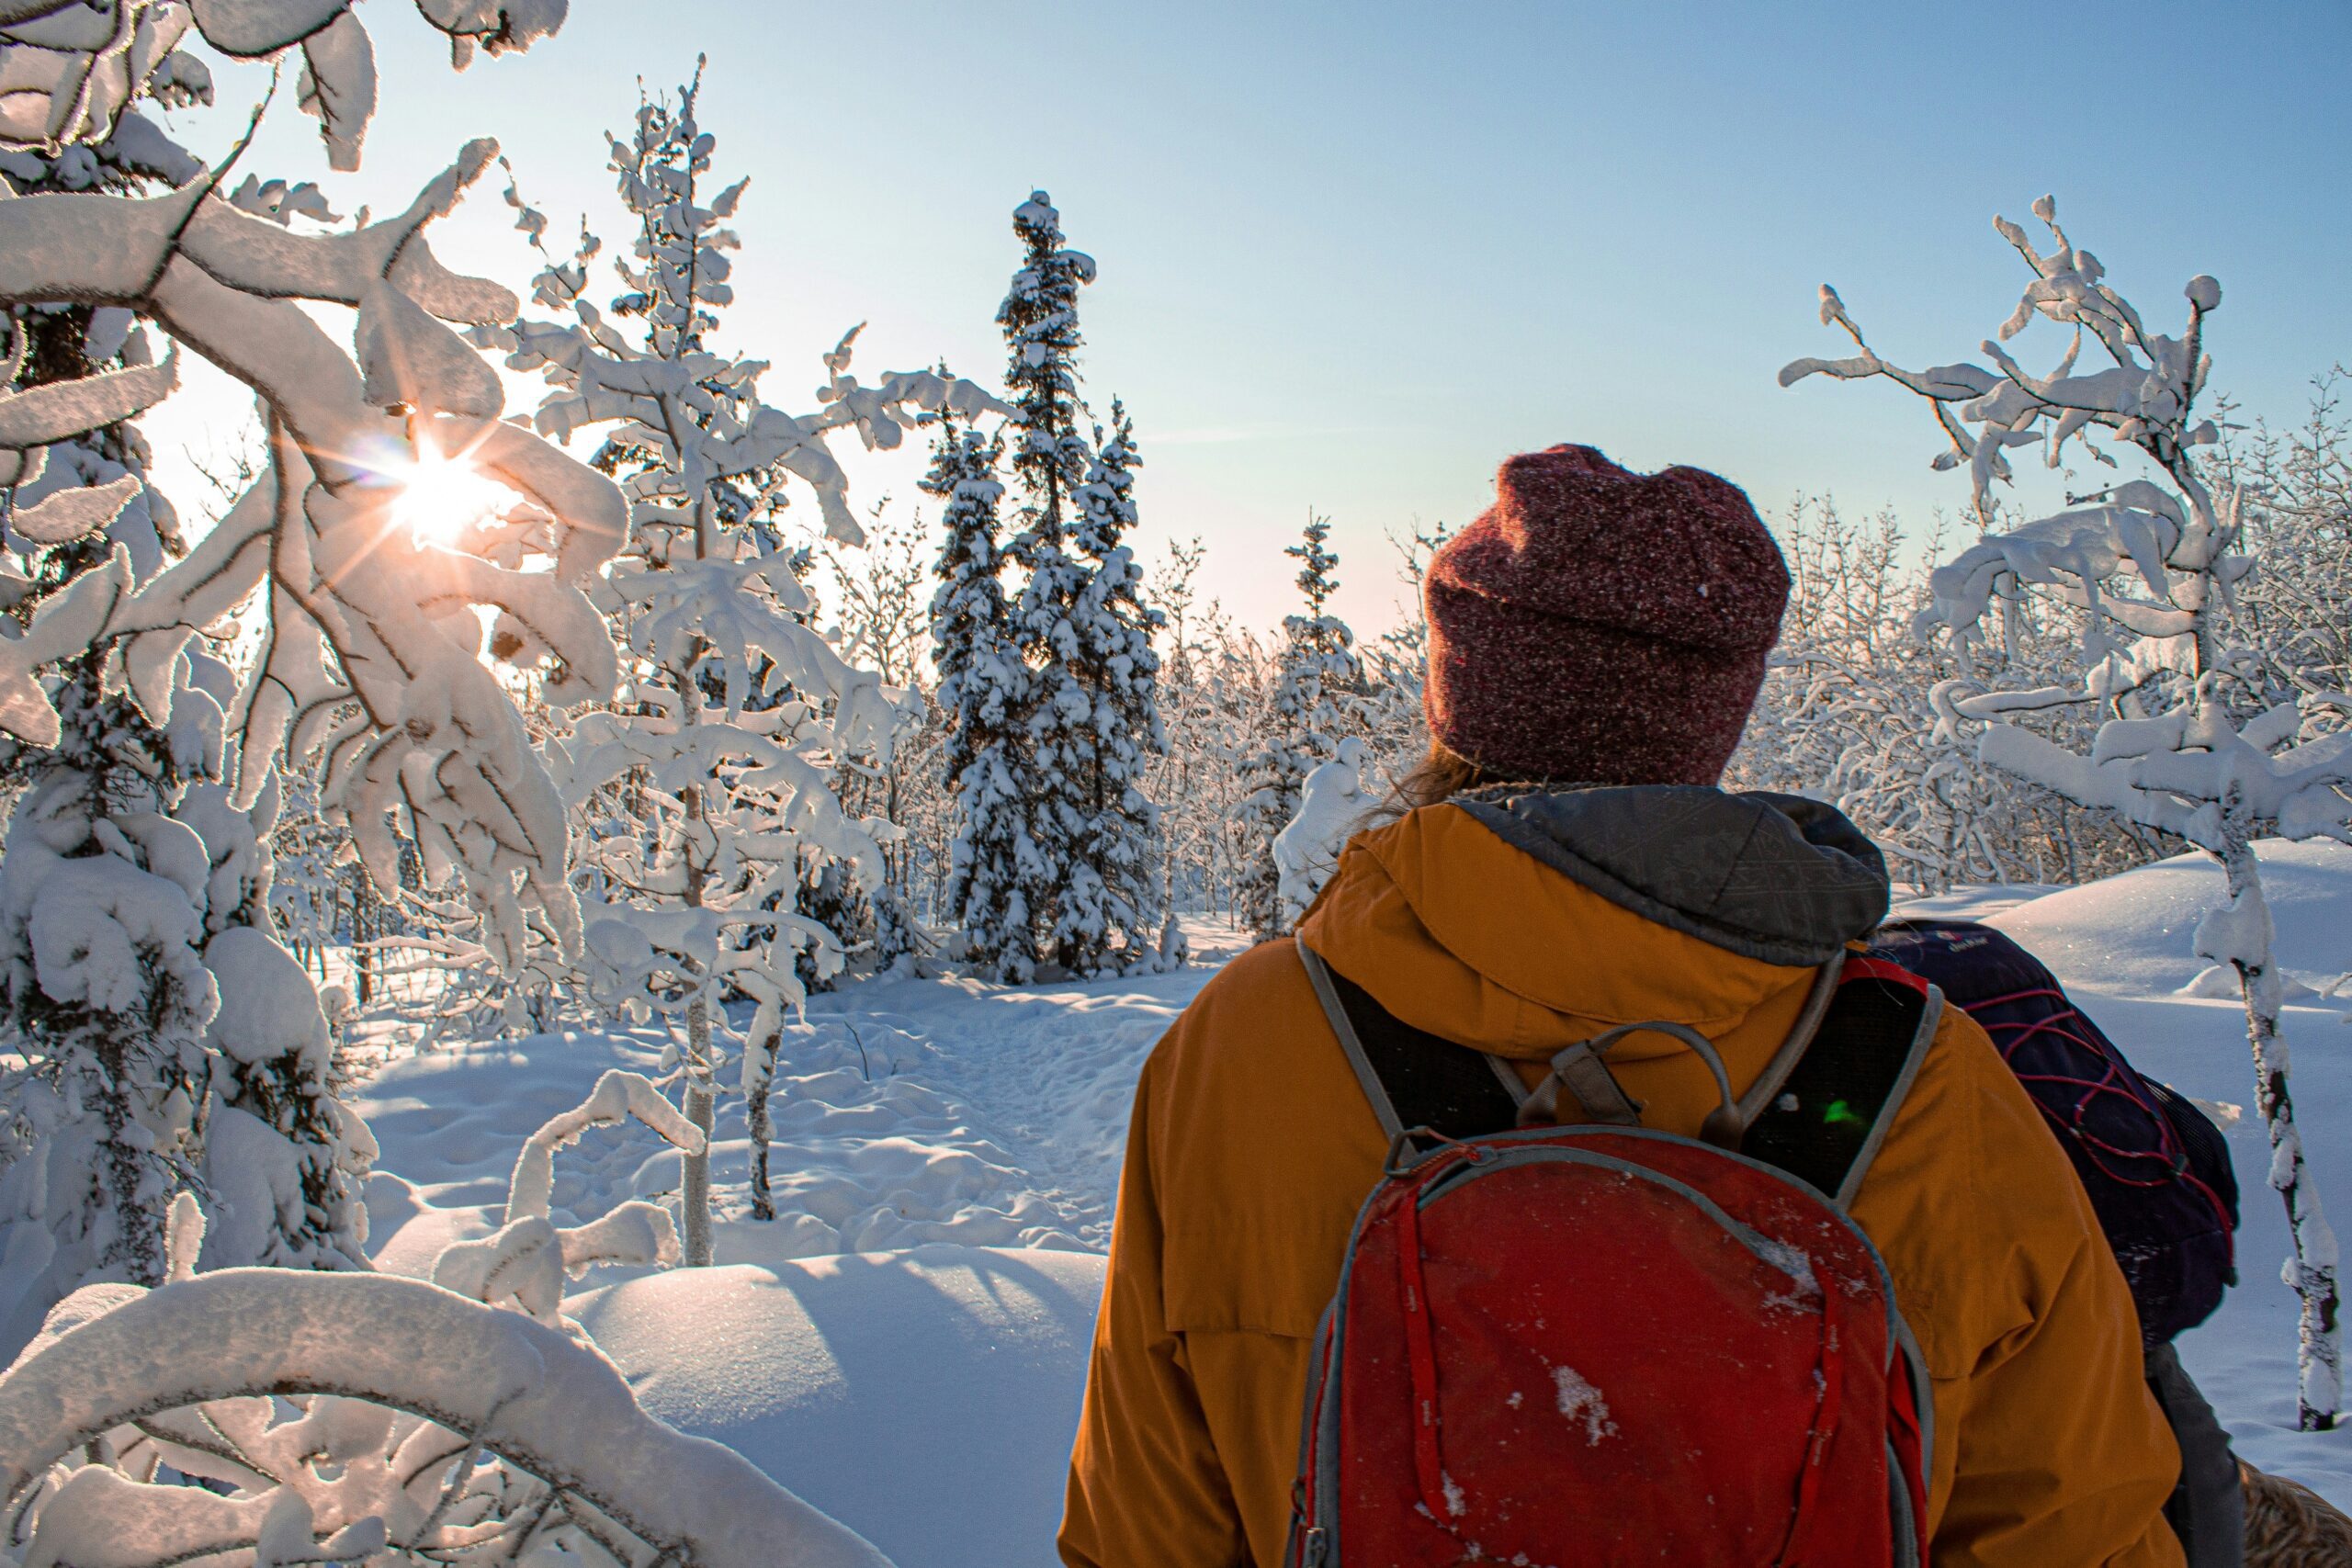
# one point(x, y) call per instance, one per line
point(2124, 947)
point(905, 1345)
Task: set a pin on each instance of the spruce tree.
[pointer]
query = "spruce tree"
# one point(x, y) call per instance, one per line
point(193, 1050)
point(289, 1155)
point(101, 913)
point(1082, 629)
point(1052, 782)
point(1114, 892)
point(983, 689)
point(1315, 679)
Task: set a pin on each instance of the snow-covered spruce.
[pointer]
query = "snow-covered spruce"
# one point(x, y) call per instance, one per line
point(703, 792)
point(101, 928)
point(1110, 915)
point(983, 689)
point(122, 1098)
point(1317, 678)
point(1091, 714)
point(2202, 745)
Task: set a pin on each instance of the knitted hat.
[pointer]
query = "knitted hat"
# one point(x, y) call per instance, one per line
point(1602, 626)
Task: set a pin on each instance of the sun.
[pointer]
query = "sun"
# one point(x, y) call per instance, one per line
point(440, 498)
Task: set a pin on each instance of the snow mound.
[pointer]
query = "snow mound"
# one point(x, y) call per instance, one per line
point(2126, 947)
point(925, 1399)
point(2136, 933)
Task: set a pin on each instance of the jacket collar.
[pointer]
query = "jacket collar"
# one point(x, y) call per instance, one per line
point(1774, 878)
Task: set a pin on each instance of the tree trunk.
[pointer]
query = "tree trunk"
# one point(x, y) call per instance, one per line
point(365, 928)
point(701, 1088)
point(759, 1075)
point(2312, 1268)
point(701, 1109)
point(137, 1245)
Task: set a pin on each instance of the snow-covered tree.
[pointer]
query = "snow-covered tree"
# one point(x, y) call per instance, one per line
point(1109, 914)
point(983, 688)
point(881, 619)
point(2193, 746)
point(1090, 716)
point(1315, 679)
point(1186, 779)
point(1049, 461)
point(1395, 665)
point(109, 995)
point(109, 1113)
point(1847, 714)
point(285, 1160)
point(720, 751)
point(368, 655)
point(2298, 515)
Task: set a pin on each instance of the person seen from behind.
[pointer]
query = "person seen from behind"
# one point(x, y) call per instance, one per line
point(1564, 864)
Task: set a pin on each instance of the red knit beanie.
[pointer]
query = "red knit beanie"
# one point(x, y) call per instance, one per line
point(1602, 626)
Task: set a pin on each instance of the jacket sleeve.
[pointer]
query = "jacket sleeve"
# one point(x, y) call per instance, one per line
point(2043, 1477)
point(2058, 1453)
point(1145, 1482)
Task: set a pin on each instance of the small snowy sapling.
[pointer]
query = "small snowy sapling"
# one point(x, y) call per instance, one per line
point(2192, 747)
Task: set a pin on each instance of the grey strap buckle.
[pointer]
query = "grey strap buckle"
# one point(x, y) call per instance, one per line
point(1580, 1070)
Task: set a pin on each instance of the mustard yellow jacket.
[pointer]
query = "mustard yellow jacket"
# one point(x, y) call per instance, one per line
point(1252, 1147)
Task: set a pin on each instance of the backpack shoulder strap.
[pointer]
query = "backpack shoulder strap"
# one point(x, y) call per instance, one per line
point(1413, 1078)
point(1835, 1102)
point(1833, 1087)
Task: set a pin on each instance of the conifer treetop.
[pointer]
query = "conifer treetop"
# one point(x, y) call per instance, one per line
point(1040, 321)
point(1313, 550)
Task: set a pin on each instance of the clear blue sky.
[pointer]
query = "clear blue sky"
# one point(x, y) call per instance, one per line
point(1352, 256)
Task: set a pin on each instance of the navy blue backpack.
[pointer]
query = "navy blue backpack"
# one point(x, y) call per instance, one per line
point(2157, 1170)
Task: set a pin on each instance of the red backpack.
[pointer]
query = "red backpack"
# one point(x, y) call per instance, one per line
point(1598, 1345)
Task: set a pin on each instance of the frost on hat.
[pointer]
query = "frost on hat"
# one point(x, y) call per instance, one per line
point(1597, 625)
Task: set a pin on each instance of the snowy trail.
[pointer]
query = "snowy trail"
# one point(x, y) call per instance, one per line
point(1054, 1067)
point(905, 1113)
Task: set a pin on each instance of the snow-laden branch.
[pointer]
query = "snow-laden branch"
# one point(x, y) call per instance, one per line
point(1332, 804)
point(617, 1097)
point(117, 1363)
point(524, 1263)
point(373, 650)
point(2143, 396)
point(76, 68)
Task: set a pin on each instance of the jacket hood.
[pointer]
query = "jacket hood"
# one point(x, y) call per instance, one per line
point(1775, 877)
point(1520, 923)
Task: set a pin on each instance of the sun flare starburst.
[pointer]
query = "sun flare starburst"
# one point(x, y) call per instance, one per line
point(440, 498)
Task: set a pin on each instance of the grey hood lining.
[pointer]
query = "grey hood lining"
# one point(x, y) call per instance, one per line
point(1774, 878)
